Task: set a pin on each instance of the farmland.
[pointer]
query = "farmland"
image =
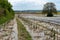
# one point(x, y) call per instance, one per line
point(39, 26)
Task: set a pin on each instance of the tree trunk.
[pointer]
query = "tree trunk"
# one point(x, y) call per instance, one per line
point(50, 14)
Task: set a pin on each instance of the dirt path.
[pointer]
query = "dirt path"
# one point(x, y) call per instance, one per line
point(9, 31)
point(15, 30)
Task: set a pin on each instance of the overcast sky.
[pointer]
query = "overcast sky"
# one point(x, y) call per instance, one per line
point(32, 4)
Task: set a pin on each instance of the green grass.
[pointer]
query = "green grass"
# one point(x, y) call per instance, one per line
point(7, 17)
point(22, 32)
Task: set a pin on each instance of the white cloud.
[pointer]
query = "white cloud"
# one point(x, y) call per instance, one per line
point(30, 3)
point(34, 2)
point(14, 0)
point(37, 1)
point(41, 2)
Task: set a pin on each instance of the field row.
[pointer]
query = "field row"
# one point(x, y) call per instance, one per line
point(39, 28)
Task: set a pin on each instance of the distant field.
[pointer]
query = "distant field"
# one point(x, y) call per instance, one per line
point(36, 13)
point(30, 12)
point(59, 13)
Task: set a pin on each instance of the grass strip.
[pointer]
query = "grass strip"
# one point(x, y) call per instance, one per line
point(22, 32)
